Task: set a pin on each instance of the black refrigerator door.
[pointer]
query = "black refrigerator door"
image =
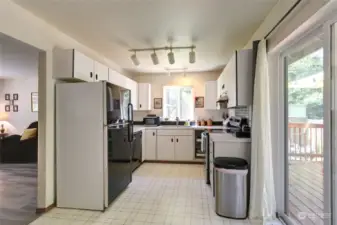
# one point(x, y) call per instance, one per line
point(119, 173)
point(130, 122)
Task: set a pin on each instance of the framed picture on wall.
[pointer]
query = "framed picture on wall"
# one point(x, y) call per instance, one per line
point(16, 96)
point(35, 102)
point(199, 102)
point(7, 97)
point(7, 108)
point(158, 103)
point(15, 108)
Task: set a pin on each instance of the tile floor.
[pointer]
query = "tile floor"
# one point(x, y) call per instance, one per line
point(159, 194)
point(18, 185)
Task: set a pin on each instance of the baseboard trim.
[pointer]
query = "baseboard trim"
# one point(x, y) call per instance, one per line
point(44, 210)
point(173, 162)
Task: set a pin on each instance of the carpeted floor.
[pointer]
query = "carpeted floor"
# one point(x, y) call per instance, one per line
point(18, 187)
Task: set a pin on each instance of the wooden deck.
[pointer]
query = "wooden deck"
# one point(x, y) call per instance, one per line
point(306, 192)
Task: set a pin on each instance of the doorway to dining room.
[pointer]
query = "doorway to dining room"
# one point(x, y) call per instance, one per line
point(19, 75)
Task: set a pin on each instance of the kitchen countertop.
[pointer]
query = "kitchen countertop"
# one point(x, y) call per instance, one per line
point(216, 137)
point(227, 137)
point(138, 128)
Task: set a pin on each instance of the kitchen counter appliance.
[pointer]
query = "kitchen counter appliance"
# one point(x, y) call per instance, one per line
point(238, 126)
point(137, 150)
point(205, 150)
point(151, 120)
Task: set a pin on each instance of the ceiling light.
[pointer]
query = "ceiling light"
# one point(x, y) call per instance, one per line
point(154, 58)
point(135, 60)
point(192, 56)
point(170, 56)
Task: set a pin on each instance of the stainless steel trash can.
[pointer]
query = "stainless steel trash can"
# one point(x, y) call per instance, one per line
point(231, 191)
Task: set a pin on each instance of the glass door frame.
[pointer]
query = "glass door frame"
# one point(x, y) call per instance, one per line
point(330, 41)
point(282, 153)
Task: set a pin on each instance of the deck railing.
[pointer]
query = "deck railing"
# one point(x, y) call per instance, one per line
point(305, 142)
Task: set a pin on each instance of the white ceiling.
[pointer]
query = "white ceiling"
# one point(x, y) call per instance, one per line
point(111, 27)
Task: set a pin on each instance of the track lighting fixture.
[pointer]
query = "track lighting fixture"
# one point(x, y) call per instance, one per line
point(192, 56)
point(135, 60)
point(170, 55)
point(154, 58)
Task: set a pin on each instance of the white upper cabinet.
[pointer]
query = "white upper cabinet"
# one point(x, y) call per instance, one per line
point(236, 79)
point(244, 78)
point(83, 67)
point(144, 96)
point(71, 64)
point(117, 78)
point(211, 95)
point(101, 72)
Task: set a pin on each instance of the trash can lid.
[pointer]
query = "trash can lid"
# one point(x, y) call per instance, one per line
point(230, 163)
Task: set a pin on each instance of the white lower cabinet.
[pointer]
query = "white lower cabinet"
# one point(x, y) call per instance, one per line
point(165, 148)
point(183, 149)
point(175, 148)
point(151, 144)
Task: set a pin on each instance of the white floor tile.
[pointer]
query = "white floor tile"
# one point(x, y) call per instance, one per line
point(159, 194)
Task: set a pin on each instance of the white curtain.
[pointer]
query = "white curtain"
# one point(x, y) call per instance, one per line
point(262, 192)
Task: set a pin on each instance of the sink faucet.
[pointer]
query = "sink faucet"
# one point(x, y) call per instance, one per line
point(177, 121)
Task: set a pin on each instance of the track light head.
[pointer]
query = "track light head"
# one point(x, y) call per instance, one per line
point(154, 58)
point(192, 56)
point(170, 56)
point(135, 60)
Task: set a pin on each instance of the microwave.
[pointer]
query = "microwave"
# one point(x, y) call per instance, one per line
point(151, 121)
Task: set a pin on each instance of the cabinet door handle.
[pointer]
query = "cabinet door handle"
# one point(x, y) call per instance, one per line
point(90, 74)
point(96, 77)
point(171, 139)
point(177, 140)
point(140, 105)
point(153, 133)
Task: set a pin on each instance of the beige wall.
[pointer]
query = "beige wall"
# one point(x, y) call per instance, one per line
point(197, 80)
point(24, 86)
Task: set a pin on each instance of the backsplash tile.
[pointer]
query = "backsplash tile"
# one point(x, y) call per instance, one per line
point(242, 112)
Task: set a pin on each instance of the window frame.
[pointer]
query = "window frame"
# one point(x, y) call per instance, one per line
point(179, 105)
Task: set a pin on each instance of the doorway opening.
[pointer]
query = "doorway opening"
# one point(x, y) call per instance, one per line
point(18, 131)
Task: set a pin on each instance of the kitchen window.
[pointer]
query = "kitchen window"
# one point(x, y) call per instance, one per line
point(178, 102)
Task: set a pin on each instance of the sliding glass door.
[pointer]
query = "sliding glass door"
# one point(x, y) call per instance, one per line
point(307, 157)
